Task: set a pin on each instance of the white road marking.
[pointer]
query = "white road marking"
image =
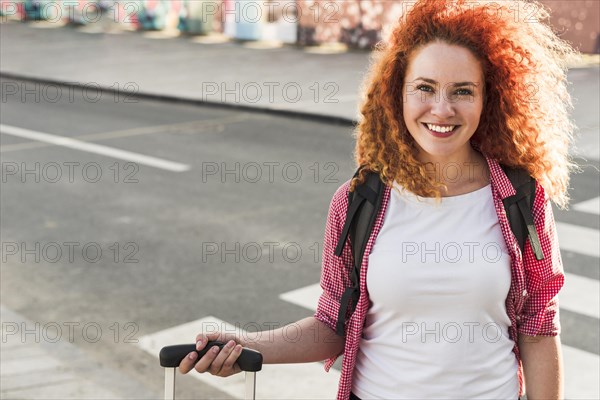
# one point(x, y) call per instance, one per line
point(581, 295)
point(94, 148)
point(591, 206)
point(197, 126)
point(579, 239)
point(581, 370)
point(306, 297)
point(280, 381)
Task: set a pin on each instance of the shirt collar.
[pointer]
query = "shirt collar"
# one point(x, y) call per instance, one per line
point(498, 178)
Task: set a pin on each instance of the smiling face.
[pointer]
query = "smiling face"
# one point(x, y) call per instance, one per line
point(443, 86)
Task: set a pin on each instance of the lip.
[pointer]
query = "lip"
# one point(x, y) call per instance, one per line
point(439, 134)
point(435, 123)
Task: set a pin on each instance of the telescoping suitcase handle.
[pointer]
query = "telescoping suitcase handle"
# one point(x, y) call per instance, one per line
point(170, 357)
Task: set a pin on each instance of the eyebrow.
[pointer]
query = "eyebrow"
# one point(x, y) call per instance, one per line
point(454, 84)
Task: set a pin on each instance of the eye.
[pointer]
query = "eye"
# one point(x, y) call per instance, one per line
point(423, 86)
point(468, 92)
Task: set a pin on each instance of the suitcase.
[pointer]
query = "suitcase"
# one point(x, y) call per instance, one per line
point(170, 357)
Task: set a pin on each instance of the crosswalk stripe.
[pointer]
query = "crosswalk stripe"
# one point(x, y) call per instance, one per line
point(280, 381)
point(581, 295)
point(591, 206)
point(579, 239)
point(94, 148)
point(581, 371)
point(306, 297)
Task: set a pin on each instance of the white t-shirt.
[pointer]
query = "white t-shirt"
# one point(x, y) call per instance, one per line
point(437, 327)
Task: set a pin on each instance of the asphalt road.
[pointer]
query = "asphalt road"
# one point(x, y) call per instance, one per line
point(227, 215)
point(153, 226)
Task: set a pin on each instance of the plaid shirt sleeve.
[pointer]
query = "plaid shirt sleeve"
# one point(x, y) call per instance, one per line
point(335, 270)
point(545, 278)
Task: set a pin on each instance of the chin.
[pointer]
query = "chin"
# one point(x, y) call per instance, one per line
point(439, 150)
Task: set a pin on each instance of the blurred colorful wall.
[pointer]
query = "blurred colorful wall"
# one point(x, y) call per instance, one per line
point(355, 23)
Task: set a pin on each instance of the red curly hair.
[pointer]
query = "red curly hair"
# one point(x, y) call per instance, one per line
point(525, 119)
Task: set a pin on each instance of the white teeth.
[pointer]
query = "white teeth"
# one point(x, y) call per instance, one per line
point(441, 129)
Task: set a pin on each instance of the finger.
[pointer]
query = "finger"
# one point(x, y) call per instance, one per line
point(201, 343)
point(187, 363)
point(205, 337)
point(205, 362)
point(230, 365)
point(217, 364)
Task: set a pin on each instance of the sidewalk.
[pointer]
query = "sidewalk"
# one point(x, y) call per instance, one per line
point(35, 367)
point(312, 82)
point(287, 78)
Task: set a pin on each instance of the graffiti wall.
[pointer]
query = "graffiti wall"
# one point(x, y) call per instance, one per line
point(357, 23)
point(361, 23)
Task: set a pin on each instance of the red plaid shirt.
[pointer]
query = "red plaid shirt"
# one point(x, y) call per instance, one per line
point(531, 305)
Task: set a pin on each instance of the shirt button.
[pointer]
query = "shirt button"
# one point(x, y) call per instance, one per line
point(524, 292)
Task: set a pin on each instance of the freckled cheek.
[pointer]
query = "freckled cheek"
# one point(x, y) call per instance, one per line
point(413, 107)
point(470, 113)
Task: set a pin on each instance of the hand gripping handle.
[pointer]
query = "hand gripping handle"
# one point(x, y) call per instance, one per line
point(171, 356)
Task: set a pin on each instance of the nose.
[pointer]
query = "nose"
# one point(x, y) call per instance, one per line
point(443, 108)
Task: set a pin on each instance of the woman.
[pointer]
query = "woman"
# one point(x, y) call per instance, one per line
point(449, 306)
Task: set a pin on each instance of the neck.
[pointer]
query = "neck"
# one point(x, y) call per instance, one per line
point(459, 171)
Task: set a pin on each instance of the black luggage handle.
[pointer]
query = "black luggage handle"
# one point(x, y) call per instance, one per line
point(171, 356)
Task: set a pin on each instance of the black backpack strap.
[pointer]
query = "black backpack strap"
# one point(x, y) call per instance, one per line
point(518, 209)
point(363, 206)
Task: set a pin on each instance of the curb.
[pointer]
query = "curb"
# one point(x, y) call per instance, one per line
point(340, 121)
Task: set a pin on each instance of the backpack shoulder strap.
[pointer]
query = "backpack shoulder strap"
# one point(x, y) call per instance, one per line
point(363, 206)
point(518, 209)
